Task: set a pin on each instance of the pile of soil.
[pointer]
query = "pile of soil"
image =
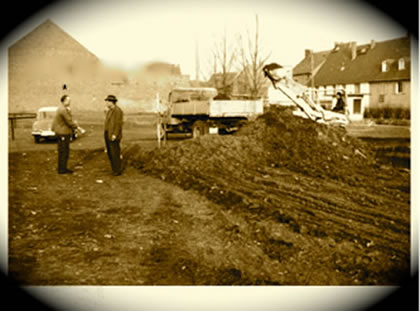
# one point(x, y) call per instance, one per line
point(276, 139)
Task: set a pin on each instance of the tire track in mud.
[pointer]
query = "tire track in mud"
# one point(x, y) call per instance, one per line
point(306, 182)
point(280, 197)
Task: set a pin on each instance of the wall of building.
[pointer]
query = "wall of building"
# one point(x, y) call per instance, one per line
point(354, 94)
point(356, 106)
point(383, 94)
point(36, 80)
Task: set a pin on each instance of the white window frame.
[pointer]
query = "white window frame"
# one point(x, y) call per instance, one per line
point(329, 90)
point(350, 88)
point(384, 66)
point(401, 64)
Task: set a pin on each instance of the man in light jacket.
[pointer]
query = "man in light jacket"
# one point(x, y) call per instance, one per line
point(113, 133)
point(64, 126)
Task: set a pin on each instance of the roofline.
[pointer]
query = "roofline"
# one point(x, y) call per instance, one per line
point(390, 80)
point(192, 89)
point(48, 20)
point(369, 81)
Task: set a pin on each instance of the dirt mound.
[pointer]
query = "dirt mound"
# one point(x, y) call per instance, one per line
point(300, 188)
point(276, 139)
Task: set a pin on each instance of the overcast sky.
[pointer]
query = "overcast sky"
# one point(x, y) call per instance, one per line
point(128, 33)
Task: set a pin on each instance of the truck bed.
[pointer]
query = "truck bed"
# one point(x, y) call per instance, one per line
point(219, 108)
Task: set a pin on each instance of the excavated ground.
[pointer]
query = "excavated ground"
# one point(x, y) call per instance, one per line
point(283, 201)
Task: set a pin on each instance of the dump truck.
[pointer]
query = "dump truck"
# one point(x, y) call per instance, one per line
point(195, 111)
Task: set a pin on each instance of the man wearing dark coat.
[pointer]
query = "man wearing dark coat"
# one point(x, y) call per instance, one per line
point(64, 126)
point(340, 105)
point(113, 133)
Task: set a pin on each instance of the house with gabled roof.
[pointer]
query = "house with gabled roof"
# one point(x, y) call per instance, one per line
point(376, 74)
point(46, 59)
point(309, 66)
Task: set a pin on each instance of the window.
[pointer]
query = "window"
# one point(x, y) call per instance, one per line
point(357, 88)
point(398, 87)
point(401, 64)
point(381, 98)
point(384, 66)
point(350, 88)
point(330, 90)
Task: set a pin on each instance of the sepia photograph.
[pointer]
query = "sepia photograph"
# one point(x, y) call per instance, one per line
point(252, 144)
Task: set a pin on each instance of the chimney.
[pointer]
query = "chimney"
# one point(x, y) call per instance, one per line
point(372, 44)
point(308, 53)
point(353, 48)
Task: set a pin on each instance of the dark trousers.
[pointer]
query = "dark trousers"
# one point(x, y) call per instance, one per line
point(63, 152)
point(113, 151)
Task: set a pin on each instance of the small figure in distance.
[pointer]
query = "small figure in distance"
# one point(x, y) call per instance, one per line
point(340, 105)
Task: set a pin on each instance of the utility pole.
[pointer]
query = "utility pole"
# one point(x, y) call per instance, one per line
point(312, 77)
point(197, 60)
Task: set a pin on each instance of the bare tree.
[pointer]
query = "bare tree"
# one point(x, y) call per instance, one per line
point(224, 59)
point(252, 62)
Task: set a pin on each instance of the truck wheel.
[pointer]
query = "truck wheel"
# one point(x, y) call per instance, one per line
point(241, 123)
point(196, 130)
point(199, 128)
point(37, 139)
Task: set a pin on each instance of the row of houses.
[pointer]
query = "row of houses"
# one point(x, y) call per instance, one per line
point(376, 74)
point(373, 75)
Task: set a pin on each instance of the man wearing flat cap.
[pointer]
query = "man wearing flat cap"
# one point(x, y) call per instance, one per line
point(113, 133)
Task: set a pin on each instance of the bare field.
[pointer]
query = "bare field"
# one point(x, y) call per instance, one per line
point(182, 225)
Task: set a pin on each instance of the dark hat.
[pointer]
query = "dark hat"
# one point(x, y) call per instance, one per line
point(272, 66)
point(111, 98)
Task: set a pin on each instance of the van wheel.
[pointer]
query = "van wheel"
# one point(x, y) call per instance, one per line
point(199, 128)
